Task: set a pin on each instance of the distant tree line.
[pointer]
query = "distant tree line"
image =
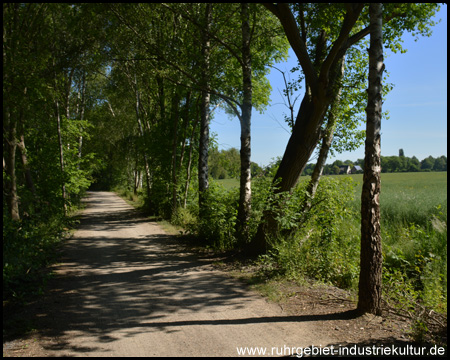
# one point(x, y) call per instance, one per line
point(389, 164)
point(225, 164)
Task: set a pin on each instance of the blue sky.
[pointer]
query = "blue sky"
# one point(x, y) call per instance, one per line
point(417, 106)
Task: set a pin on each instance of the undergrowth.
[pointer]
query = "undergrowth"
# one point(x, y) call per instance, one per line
point(29, 246)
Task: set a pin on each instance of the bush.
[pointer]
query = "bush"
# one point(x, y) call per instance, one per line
point(28, 246)
point(324, 244)
point(217, 225)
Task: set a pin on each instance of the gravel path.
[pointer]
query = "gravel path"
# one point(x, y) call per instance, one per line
point(125, 288)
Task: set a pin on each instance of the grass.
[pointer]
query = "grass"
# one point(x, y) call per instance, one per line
point(407, 198)
point(228, 184)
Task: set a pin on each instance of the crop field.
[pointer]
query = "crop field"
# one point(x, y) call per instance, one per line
point(409, 198)
point(405, 197)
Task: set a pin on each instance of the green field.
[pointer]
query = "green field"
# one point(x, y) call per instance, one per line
point(405, 197)
point(410, 198)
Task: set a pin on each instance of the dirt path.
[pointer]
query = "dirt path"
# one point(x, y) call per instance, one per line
point(125, 288)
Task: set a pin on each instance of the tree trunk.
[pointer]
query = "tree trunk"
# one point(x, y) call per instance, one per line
point(318, 169)
point(326, 144)
point(61, 153)
point(187, 106)
point(82, 110)
point(244, 209)
point(28, 178)
point(12, 196)
point(203, 183)
point(142, 133)
point(189, 164)
point(68, 88)
point(137, 175)
point(176, 116)
point(304, 139)
point(371, 255)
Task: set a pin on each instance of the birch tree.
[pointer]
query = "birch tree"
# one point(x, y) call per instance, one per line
point(371, 253)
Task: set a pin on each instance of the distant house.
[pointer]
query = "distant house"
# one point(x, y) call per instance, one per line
point(345, 169)
point(357, 169)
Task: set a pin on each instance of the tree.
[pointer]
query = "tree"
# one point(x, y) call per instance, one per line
point(205, 111)
point(414, 165)
point(240, 81)
point(427, 164)
point(43, 58)
point(321, 77)
point(369, 291)
point(249, 54)
point(440, 164)
point(19, 32)
point(244, 209)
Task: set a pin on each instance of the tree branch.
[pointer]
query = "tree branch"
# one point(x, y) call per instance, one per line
point(213, 36)
point(287, 19)
point(234, 104)
point(350, 19)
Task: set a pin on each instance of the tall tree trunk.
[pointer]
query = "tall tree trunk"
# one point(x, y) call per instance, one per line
point(68, 88)
point(23, 150)
point(176, 116)
point(321, 160)
point(188, 170)
point(82, 110)
point(203, 183)
point(142, 133)
point(370, 278)
point(58, 129)
point(136, 174)
point(12, 195)
point(61, 153)
point(187, 106)
point(28, 178)
point(244, 209)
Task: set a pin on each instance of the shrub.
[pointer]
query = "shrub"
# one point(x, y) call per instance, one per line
point(29, 246)
point(217, 225)
point(324, 244)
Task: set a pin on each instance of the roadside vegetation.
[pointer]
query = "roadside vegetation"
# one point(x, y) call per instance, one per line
point(29, 248)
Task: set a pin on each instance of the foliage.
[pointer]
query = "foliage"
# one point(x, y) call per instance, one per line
point(217, 227)
point(414, 233)
point(325, 243)
point(28, 247)
point(47, 102)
